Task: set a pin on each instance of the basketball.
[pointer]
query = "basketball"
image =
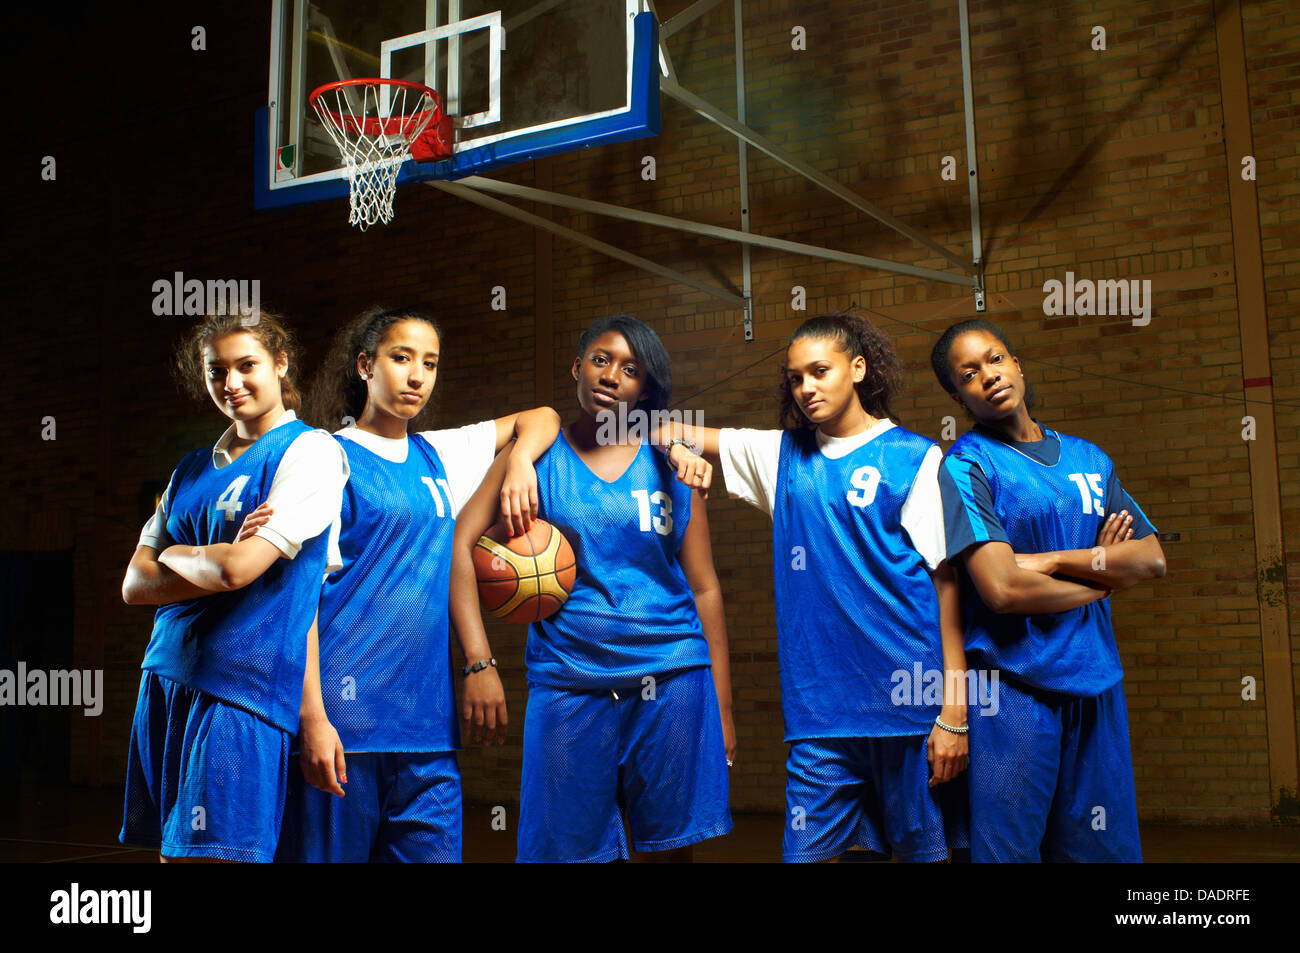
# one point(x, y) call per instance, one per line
point(524, 578)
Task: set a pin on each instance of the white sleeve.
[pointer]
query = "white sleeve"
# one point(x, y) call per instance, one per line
point(307, 492)
point(154, 534)
point(750, 461)
point(333, 556)
point(466, 454)
point(922, 514)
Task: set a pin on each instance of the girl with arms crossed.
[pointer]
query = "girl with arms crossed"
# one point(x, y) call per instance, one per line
point(380, 717)
point(223, 673)
point(1023, 505)
point(862, 596)
point(626, 679)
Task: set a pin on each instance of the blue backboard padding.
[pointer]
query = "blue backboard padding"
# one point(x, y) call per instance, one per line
point(640, 121)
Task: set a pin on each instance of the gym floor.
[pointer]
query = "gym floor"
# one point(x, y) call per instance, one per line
point(79, 825)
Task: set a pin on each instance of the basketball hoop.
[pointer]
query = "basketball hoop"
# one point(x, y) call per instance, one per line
point(377, 125)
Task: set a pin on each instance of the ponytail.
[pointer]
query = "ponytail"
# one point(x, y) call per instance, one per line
point(857, 337)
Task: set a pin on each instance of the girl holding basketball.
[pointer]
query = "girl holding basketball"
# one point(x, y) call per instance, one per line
point(379, 713)
point(1026, 513)
point(863, 599)
point(223, 672)
point(629, 700)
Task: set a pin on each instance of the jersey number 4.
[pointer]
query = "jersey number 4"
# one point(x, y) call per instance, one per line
point(661, 521)
point(1092, 501)
point(228, 501)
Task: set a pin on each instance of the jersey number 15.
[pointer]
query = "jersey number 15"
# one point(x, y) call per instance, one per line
point(1092, 501)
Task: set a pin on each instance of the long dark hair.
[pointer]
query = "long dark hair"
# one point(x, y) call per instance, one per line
point(338, 390)
point(269, 329)
point(649, 351)
point(855, 336)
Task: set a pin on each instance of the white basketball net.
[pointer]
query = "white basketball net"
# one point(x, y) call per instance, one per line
point(373, 124)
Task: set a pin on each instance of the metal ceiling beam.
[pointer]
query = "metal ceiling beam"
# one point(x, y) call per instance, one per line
point(480, 184)
point(686, 17)
point(972, 170)
point(742, 151)
point(712, 113)
point(504, 208)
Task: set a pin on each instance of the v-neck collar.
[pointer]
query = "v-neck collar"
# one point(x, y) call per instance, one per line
point(221, 457)
point(1048, 434)
point(574, 451)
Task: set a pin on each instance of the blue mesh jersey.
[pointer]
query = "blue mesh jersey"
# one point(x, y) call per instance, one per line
point(1043, 496)
point(631, 612)
point(248, 647)
point(854, 600)
point(385, 650)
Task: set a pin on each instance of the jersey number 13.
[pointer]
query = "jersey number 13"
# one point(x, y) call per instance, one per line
point(661, 521)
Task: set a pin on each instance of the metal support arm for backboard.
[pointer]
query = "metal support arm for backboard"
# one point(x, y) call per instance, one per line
point(470, 195)
point(479, 183)
point(687, 17)
point(712, 113)
point(739, 128)
point(972, 171)
point(743, 156)
point(472, 189)
point(467, 188)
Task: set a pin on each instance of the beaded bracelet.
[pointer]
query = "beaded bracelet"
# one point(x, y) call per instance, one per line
point(478, 667)
point(692, 447)
point(956, 731)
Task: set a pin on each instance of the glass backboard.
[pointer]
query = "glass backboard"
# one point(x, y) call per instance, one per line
point(521, 79)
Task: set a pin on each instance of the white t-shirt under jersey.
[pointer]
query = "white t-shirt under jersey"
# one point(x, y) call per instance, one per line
point(305, 493)
point(466, 454)
point(751, 460)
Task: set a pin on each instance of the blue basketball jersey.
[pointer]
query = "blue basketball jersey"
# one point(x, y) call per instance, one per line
point(248, 647)
point(856, 609)
point(1041, 507)
point(631, 612)
point(385, 651)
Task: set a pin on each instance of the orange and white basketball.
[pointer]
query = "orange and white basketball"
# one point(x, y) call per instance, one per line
point(524, 578)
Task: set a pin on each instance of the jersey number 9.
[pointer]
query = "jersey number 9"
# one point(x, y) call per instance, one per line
point(866, 479)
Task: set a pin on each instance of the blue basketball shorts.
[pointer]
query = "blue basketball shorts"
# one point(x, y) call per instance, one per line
point(872, 793)
point(204, 779)
point(1051, 778)
point(397, 807)
point(655, 751)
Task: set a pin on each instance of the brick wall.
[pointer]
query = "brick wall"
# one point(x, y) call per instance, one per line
point(1108, 164)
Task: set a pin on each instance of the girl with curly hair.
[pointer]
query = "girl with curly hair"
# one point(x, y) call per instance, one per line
point(864, 600)
point(223, 673)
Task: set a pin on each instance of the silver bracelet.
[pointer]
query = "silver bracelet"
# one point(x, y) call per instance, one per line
point(956, 731)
